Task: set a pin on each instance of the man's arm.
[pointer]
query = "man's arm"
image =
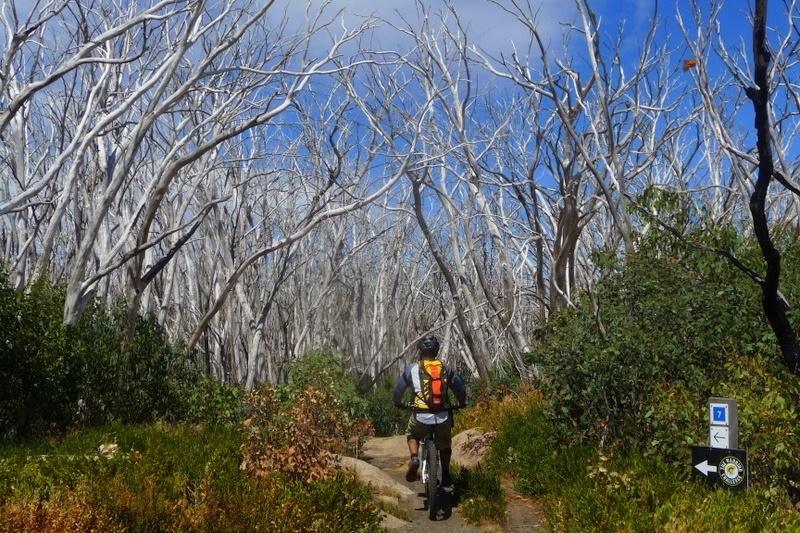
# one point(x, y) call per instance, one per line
point(459, 388)
point(399, 389)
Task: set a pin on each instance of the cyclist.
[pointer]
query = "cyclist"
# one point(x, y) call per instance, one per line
point(420, 421)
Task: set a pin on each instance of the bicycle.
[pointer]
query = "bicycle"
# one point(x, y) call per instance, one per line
point(430, 465)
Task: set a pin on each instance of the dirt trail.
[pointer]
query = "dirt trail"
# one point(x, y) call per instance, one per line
point(389, 456)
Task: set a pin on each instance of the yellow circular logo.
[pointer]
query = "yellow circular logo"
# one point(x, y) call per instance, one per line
point(731, 470)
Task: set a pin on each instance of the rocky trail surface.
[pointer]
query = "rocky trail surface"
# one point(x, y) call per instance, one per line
point(383, 467)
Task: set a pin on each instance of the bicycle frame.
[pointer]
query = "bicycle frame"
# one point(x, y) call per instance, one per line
point(424, 456)
point(431, 473)
point(425, 451)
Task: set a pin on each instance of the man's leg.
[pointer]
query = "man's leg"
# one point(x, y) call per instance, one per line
point(444, 443)
point(413, 464)
point(444, 457)
point(412, 438)
point(413, 445)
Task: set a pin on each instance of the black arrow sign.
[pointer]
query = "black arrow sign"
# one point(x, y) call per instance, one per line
point(721, 467)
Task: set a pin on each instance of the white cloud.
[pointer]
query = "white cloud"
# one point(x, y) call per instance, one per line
point(486, 24)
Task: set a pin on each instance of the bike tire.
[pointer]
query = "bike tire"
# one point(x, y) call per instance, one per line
point(432, 486)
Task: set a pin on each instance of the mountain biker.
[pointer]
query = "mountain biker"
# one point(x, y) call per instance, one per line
point(420, 421)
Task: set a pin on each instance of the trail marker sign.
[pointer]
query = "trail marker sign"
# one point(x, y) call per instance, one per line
point(723, 423)
point(721, 467)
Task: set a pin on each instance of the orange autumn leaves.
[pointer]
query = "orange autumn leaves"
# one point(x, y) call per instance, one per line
point(688, 64)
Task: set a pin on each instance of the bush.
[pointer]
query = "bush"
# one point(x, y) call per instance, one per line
point(40, 379)
point(164, 478)
point(675, 420)
point(214, 402)
point(628, 399)
point(768, 396)
point(481, 495)
point(140, 379)
point(58, 377)
point(671, 317)
point(387, 419)
point(495, 405)
point(525, 446)
point(299, 436)
point(325, 370)
point(584, 490)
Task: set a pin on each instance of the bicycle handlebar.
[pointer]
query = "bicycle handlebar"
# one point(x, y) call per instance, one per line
point(411, 407)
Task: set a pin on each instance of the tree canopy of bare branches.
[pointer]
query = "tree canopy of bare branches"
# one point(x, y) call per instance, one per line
point(266, 184)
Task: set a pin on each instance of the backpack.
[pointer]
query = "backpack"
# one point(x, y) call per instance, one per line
point(433, 379)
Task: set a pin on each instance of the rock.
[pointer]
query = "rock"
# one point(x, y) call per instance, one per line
point(388, 500)
point(470, 446)
point(373, 476)
point(108, 450)
point(390, 522)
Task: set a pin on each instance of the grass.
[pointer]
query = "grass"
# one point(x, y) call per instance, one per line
point(164, 478)
point(584, 488)
point(481, 497)
point(394, 510)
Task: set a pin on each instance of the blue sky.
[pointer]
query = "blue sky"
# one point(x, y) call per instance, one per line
point(492, 27)
point(494, 30)
point(486, 24)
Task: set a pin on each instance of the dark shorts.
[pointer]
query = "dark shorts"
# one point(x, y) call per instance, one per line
point(442, 432)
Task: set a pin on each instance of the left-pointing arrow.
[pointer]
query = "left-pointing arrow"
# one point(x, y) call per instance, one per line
point(705, 468)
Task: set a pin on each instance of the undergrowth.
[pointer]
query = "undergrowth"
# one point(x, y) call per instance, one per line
point(481, 497)
point(301, 436)
point(165, 478)
point(493, 405)
point(586, 488)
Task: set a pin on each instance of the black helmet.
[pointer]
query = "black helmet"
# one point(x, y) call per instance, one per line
point(428, 345)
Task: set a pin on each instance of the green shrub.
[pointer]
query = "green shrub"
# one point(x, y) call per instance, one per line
point(40, 378)
point(637, 494)
point(151, 376)
point(480, 494)
point(693, 507)
point(525, 446)
point(675, 420)
point(132, 380)
point(58, 377)
point(768, 398)
point(387, 419)
point(214, 402)
point(164, 478)
point(662, 324)
point(326, 370)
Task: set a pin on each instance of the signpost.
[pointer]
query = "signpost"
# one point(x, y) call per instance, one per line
point(721, 467)
point(723, 423)
point(720, 463)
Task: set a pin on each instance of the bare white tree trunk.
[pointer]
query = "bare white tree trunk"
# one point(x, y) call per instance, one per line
point(266, 192)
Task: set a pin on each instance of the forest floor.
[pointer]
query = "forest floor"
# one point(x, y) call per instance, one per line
point(384, 465)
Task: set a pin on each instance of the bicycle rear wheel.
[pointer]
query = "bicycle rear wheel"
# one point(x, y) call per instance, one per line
point(432, 485)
